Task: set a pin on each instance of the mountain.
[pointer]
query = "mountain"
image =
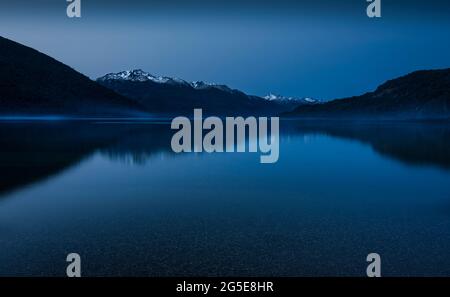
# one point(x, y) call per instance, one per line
point(419, 95)
point(32, 84)
point(291, 100)
point(174, 96)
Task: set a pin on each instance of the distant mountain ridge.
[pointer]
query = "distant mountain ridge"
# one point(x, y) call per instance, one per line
point(299, 101)
point(419, 95)
point(167, 95)
point(138, 75)
point(32, 83)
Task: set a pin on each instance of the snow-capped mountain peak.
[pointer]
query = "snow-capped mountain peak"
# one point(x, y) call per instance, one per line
point(139, 75)
point(284, 99)
point(272, 97)
point(201, 85)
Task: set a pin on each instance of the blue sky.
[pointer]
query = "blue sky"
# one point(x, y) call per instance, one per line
point(325, 49)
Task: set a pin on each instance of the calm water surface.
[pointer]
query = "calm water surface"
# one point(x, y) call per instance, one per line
point(118, 196)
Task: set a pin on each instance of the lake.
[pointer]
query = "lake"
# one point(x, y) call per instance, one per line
point(115, 193)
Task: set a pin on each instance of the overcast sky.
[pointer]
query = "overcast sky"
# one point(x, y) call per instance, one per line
point(323, 48)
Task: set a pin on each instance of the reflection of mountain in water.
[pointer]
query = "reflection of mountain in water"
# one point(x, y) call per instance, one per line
point(411, 143)
point(141, 143)
point(32, 152)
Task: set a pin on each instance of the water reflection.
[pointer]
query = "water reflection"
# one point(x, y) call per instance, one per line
point(338, 192)
point(32, 152)
point(410, 143)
